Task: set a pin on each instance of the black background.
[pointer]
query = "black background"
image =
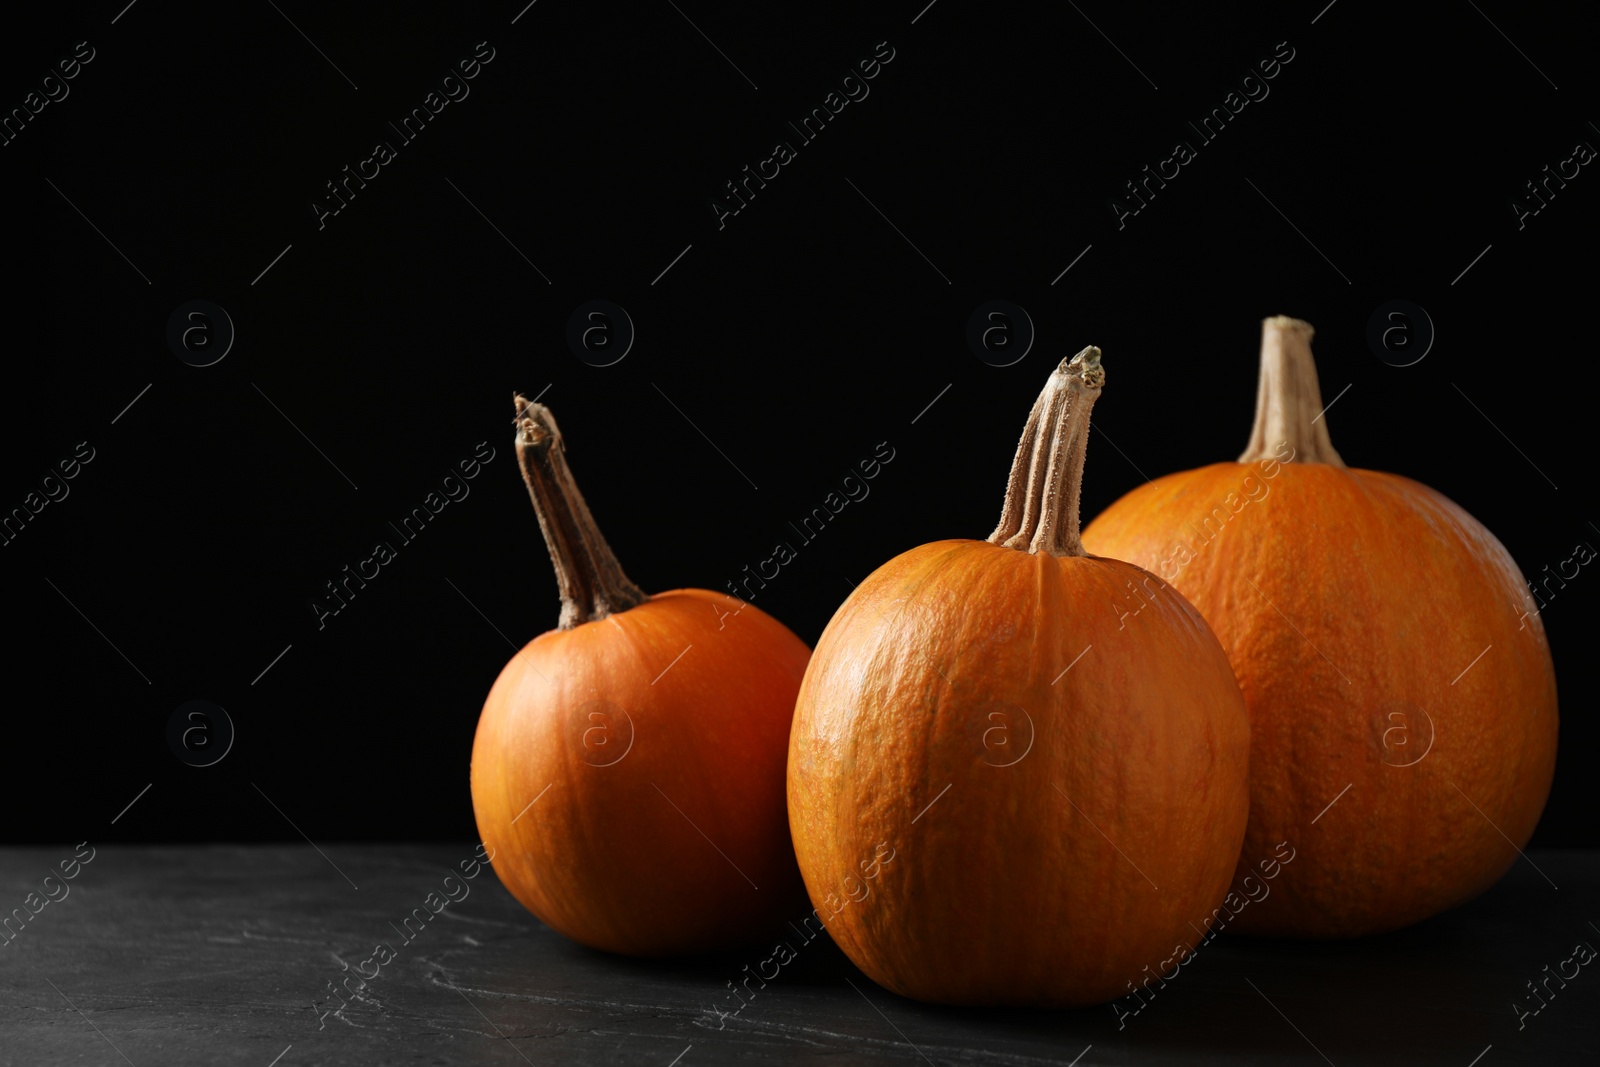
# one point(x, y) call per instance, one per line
point(796, 338)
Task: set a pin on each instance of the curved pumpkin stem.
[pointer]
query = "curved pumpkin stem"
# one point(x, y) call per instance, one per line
point(1288, 401)
point(1041, 509)
point(587, 572)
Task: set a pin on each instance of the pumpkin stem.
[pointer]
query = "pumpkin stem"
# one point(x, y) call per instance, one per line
point(1288, 401)
point(1041, 508)
point(587, 572)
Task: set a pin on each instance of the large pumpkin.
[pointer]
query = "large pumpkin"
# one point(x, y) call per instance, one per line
point(1001, 790)
point(628, 769)
point(1401, 693)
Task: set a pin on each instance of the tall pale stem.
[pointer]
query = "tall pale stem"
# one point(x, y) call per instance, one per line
point(1289, 409)
point(1041, 508)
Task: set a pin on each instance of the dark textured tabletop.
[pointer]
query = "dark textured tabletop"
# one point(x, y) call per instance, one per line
point(232, 955)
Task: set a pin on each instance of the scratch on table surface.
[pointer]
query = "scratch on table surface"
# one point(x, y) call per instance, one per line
point(339, 1014)
point(698, 1016)
point(231, 971)
point(818, 1037)
point(285, 940)
point(567, 1001)
point(415, 1025)
point(453, 914)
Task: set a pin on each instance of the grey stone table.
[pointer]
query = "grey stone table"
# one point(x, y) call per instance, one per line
point(229, 955)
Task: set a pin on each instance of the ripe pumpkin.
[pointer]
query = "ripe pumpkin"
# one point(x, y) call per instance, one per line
point(628, 768)
point(1403, 715)
point(992, 771)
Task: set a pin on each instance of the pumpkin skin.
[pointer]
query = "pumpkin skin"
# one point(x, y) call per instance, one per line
point(1354, 606)
point(605, 857)
point(991, 860)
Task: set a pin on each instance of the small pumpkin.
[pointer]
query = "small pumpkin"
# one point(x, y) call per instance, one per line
point(628, 767)
point(1403, 706)
point(1001, 790)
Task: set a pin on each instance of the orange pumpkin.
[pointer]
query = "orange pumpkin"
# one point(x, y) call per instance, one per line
point(628, 769)
point(1403, 706)
point(1003, 789)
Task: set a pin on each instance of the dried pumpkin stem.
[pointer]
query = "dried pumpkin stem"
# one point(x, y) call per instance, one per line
point(588, 575)
point(1041, 509)
point(1288, 401)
